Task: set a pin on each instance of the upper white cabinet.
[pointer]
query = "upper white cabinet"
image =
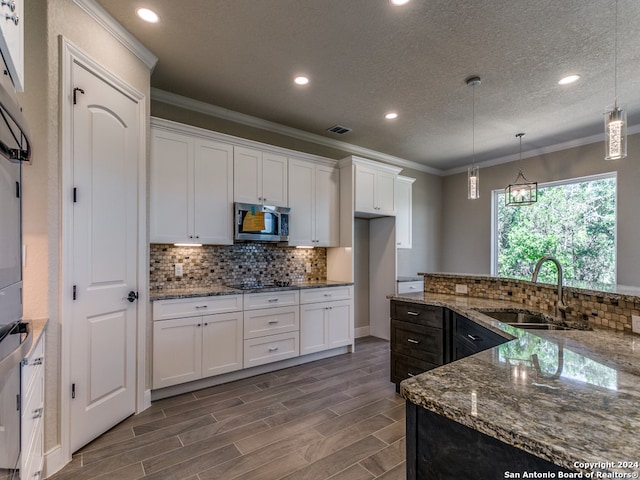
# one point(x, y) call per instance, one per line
point(12, 40)
point(403, 216)
point(191, 189)
point(314, 199)
point(375, 190)
point(259, 177)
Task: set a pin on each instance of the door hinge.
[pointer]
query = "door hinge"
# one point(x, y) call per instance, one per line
point(75, 195)
point(75, 92)
point(17, 189)
point(18, 406)
point(75, 292)
point(73, 390)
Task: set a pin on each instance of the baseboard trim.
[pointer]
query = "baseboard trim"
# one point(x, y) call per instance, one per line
point(54, 461)
point(362, 332)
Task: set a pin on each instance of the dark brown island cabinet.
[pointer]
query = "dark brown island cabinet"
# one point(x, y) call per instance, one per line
point(424, 337)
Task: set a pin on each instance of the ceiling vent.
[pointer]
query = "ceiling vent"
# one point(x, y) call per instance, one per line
point(339, 130)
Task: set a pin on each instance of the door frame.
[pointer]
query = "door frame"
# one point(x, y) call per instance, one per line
point(70, 55)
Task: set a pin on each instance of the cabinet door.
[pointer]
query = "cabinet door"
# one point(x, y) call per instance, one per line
point(177, 351)
point(222, 343)
point(327, 206)
point(403, 214)
point(247, 175)
point(171, 184)
point(12, 41)
point(213, 192)
point(340, 321)
point(274, 180)
point(301, 218)
point(314, 328)
point(385, 193)
point(365, 189)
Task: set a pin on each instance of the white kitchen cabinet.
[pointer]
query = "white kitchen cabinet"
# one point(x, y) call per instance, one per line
point(32, 437)
point(314, 197)
point(413, 286)
point(271, 327)
point(326, 319)
point(260, 177)
point(404, 230)
point(375, 191)
point(191, 189)
point(12, 40)
point(196, 345)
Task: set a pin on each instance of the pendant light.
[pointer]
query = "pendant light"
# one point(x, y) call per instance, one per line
point(521, 191)
point(615, 118)
point(473, 173)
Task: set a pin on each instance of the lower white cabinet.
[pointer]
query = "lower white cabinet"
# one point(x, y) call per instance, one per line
point(32, 437)
point(271, 334)
point(326, 319)
point(190, 348)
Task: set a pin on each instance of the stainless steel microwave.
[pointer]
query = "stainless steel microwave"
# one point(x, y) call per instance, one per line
point(261, 223)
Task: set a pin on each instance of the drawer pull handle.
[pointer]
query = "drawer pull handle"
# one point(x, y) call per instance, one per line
point(412, 287)
point(327, 294)
point(474, 338)
point(198, 307)
point(37, 361)
point(410, 374)
point(273, 322)
point(272, 300)
point(415, 314)
point(273, 349)
point(37, 413)
point(411, 340)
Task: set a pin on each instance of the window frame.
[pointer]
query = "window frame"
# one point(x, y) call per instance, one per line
point(569, 181)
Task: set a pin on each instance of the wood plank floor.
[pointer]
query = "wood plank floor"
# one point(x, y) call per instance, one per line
point(337, 418)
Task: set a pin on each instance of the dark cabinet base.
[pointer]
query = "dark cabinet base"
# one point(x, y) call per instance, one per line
point(441, 449)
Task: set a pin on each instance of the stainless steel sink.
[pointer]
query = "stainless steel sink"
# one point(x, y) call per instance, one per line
point(526, 320)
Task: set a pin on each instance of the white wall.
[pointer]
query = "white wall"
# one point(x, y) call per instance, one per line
point(466, 224)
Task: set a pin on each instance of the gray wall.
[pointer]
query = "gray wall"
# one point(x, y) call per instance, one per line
point(466, 224)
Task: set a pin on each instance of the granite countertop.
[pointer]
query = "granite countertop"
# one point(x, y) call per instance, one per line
point(580, 410)
point(215, 290)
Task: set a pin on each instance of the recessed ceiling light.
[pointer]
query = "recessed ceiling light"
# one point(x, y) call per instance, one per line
point(147, 15)
point(301, 80)
point(399, 2)
point(569, 79)
point(391, 116)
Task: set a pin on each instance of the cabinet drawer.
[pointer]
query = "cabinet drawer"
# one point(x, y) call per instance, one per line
point(254, 301)
point(410, 287)
point(417, 313)
point(258, 351)
point(33, 366)
point(476, 337)
point(189, 307)
point(418, 341)
point(32, 413)
point(269, 321)
point(329, 294)
point(403, 367)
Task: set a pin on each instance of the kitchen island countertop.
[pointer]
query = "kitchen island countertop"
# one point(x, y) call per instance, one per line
point(580, 409)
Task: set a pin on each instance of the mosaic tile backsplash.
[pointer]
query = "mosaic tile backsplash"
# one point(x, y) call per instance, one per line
point(229, 264)
point(604, 309)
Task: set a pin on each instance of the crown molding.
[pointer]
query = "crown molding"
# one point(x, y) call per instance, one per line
point(104, 18)
point(248, 120)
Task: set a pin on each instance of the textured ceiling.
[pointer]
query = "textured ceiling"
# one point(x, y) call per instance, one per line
point(366, 57)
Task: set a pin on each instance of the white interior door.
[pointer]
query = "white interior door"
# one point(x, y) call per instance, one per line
point(104, 237)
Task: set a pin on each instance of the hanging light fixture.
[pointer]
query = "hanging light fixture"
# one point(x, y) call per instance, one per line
point(615, 118)
point(521, 191)
point(473, 173)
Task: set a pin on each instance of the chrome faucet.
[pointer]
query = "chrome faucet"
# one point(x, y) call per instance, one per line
point(561, 308)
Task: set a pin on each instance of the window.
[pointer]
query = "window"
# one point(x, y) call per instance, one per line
point(573, 220)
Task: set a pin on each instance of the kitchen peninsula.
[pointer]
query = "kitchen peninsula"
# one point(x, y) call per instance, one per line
point(544, 401)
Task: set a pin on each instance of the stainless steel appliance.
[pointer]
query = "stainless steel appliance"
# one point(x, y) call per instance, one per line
point(14, 335)
point(261, 223)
